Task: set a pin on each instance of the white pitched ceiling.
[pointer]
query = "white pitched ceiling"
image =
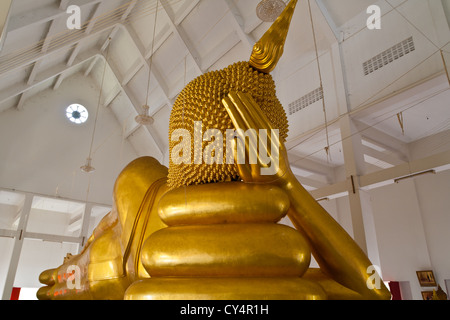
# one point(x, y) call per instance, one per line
point(196, 36)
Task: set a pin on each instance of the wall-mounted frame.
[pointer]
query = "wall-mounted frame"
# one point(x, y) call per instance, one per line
point(426, 278)
point(427, 295)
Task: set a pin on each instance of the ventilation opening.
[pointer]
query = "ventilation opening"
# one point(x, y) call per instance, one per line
point(305, 101)
point(390, 55)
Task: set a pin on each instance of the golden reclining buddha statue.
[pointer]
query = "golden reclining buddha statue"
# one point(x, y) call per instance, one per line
point(206, 230)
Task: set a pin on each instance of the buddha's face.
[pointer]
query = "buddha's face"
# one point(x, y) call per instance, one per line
point(199, 108)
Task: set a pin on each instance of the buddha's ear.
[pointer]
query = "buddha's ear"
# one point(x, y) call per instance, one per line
point(269, 49)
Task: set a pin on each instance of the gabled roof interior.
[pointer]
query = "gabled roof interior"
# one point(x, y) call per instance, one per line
point(397, 106)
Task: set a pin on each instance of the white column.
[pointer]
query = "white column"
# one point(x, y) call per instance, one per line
point(354, 167)
point(85, 227)
point(18, 243)
point(360, 202)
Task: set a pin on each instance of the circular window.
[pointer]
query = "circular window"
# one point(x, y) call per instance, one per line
point(76, 113)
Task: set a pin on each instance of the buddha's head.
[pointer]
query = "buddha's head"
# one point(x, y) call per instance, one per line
point(200, 104)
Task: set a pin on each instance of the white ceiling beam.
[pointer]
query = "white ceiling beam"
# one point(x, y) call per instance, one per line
point(44, 76)
point(77, 48)
point(52, 238)
point(59, 70)
point(251, 24)
point(111, 37)
point(112, 96)
point(154, 72)
point(239, 25)
point(185, 9)
point(382, 139)
point(160, 38)
point(8, 233)
point(34, 71)
point(381, 156)
point(129, 9)
point(305, 181)
point(87, 31)
point(220, 50)
point(44, 15)
point(332, 25)
point(131, 131)
point(137, 106)
point(22, 100)
point(48, 38)
point(11, 67)
point(5, 12)
point(438, 162)
point(64, 4)
point(74, 54)
point(312, 166)
point(91, 66)
point(92, 19)
point(59, 81)
point(34, 55)
point(132, 71)
point(170, 100)
point(339, 36)
point(406, 169)
point(75, 223)
point(179, 32)
point(330, 190)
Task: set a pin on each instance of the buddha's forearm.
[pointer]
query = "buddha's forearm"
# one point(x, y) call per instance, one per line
point(335, 251)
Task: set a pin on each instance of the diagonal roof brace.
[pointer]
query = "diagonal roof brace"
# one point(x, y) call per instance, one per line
point(5, 10)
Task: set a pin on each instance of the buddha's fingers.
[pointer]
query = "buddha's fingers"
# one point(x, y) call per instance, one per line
point(252, 114)
point(233, 112)
point(240, 154)
point(245, 110)
point(245, 170)
point(262, 148)
point(251, 110)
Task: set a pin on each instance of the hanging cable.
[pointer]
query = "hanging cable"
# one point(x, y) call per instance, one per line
point(400, 121)
point(145, 118)
point(388, 116)
point(445, 66)
point(153, 46)
point(87, 168)
point(412, 24)
point(327, 148)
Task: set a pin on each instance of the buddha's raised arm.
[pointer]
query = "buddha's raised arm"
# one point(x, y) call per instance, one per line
point(339, 257)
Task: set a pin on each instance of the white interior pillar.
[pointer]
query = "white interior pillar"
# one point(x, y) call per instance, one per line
point(18, 243)
point(363, 222)
point(354, 167)
point(85, 226)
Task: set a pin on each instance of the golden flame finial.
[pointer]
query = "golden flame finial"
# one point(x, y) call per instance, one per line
point(269, 49)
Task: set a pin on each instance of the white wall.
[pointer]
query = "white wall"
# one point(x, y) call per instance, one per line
point(6, 249)
point(434, 191)
point(37, 256)
point(7, 214)
point(42, 152)
point(412, 222)
point(401, 237)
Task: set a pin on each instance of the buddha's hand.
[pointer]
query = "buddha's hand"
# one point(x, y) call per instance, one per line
point(266, 164)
